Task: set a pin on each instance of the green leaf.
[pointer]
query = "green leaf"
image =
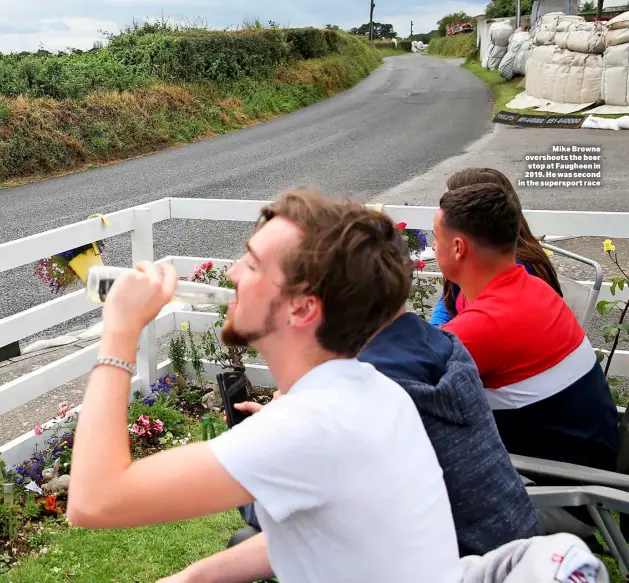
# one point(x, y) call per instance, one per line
point(600, 356)
point(610, 331)
point(604, 308)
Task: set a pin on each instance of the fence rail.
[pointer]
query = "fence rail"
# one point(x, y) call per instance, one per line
point(138, 222)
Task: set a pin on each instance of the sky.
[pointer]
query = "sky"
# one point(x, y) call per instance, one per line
point(56, 25)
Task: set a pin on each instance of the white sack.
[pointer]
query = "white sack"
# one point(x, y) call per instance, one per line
point(519, 64)
point(617, 36)
point(506, 67)
point(495, 56)
point(544, 35)
point(620, 21)
point(500, 33)
point(615, 90)
point(568, 23)
point(552, 18)
point(564, 76)
point(587, 38)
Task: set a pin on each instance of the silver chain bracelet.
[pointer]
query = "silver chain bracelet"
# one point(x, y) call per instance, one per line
point(115, 362)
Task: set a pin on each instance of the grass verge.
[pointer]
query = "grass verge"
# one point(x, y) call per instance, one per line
point(40, 138)
point(137, 555)
point(504, 91)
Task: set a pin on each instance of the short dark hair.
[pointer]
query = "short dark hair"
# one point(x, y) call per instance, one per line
point(352, 258)
point(488, 213)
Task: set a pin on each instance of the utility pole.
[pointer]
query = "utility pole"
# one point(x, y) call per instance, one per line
point(411, 29)
point(518, 10)
point(372, 5)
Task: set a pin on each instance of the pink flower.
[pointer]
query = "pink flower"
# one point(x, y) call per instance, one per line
point(38, 430)
point(401, 226)
point(207, 266)
point(138, 430)
point(158, 426)
point(144, 420)
point(421, 265)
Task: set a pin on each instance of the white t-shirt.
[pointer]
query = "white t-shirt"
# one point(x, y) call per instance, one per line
point(347, 485)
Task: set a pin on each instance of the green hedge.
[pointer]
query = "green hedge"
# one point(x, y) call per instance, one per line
point(138, 57)
point(67, 76)
point(201, 55)
point(459, 45)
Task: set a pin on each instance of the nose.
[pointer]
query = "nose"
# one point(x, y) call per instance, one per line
point(434, 245)
point(231, 271)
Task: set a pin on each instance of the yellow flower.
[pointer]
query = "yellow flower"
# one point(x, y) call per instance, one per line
point(548, 252)
point(184, 325)
point(608, 246)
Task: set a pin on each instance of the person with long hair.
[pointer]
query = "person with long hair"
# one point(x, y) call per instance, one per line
point(529, 251)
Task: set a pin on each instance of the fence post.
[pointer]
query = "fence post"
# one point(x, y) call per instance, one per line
point(142, 250)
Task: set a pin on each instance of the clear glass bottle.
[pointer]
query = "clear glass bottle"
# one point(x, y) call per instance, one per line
point(102, 277)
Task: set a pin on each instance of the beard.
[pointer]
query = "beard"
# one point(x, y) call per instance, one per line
point(235, 338)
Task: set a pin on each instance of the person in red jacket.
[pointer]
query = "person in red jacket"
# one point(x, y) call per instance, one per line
point(548, 393)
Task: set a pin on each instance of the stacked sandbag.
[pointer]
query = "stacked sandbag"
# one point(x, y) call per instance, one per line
point(564, 76)
point(516, 42)
point(545, 28)
point(587, 37)
point(617, 30)
point(499, 35)
point(519, 65)
point(615, 90)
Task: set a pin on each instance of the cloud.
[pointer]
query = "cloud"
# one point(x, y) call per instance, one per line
point(56, 35)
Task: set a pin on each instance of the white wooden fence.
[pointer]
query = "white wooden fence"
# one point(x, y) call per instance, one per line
point(139, 222)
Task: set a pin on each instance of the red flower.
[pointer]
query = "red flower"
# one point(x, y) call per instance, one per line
point(51, 503)
point(401, 226)
point(419, 264)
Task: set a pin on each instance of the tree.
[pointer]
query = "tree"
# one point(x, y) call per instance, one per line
point(331, 27)
point(505, 8)
point(588, 6)
point(380, 31)
point(455, 18)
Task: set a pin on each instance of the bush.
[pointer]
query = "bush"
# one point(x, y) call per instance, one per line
point(201, 56)
point(308, 43)
point(67, 76)
point(405, 45)
point(459, 45)
point(333, 38)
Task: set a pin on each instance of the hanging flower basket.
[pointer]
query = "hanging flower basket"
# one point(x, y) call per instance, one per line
point(63, 270)
point(82, 263)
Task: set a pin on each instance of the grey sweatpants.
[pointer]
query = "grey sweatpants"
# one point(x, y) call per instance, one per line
point(558, 558)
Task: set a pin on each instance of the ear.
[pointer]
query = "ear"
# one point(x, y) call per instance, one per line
point(305, 311)
point(57, 465)
point(460, 248)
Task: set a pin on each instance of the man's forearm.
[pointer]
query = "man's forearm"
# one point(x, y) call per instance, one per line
point(244, 563)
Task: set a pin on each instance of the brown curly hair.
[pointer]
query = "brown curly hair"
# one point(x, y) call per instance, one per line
point(351, 258)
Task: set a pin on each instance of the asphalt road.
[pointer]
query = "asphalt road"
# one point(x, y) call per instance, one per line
point(409, 115)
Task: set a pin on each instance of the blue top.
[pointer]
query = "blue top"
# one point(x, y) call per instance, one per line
point(442, 379)
point(440, 314)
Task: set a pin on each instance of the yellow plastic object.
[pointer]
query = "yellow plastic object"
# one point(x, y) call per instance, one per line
point(82, 263)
